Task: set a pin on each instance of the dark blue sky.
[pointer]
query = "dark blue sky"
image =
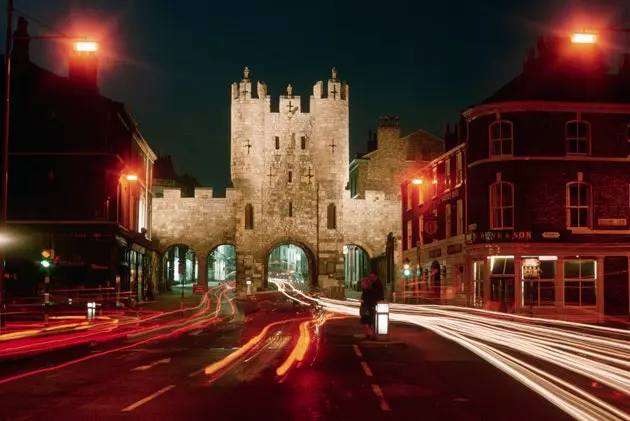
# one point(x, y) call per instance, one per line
point(172, 62)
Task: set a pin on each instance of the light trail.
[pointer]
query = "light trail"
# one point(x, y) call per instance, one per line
point(526, 349)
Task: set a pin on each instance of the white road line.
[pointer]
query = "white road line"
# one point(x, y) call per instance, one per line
point(153, 364)
point(378, 392)
point(194, 373)
point(148, 398)
point(357, 351)
point(196, 332)
point(366, 369)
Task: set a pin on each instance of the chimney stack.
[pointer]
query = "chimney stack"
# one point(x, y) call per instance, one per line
point(83, 65)
point(21, 42)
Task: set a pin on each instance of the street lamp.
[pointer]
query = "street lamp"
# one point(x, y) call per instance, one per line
point(583, 38)
point(81, 46)
point(416, 181)
point(590, 36)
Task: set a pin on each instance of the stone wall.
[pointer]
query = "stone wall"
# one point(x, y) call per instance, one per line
point(202, 222)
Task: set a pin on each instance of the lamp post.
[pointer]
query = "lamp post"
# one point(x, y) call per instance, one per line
point(590, 36)
point(83, 46)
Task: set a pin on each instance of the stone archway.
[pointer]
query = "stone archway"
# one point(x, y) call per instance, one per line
point(221, 264)
point(356, 265)
point(181, 267)
point(293, 261)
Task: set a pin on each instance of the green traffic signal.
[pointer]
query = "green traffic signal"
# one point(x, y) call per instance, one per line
point(407, 272)
point(45, 263)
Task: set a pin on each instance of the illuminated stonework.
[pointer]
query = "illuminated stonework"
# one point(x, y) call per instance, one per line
point(290, 173)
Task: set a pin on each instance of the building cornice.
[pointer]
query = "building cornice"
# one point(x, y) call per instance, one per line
point(564, 158)
point(545, 106)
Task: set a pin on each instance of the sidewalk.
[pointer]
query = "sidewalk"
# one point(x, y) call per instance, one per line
point(169, 301)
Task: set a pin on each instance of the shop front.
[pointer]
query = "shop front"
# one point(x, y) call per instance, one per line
point(550, 274)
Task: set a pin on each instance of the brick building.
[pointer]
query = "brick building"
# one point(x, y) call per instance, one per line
point(80, 177)
point(548, 188)
point(433, 229)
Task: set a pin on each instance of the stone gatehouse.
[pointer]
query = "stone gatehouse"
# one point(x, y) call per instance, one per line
point(291, 185)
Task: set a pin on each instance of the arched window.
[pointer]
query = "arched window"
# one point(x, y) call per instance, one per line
point(578, 205)
point(331, 217)
point(578, 137)
point(501, 138)
point(501, 205)
point(249, 217)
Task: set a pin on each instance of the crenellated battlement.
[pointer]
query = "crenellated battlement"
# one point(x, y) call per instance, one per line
point(370, 196)
point(206, 193)
point(334, 90)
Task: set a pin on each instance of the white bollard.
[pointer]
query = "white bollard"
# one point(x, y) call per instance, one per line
point(381, 324)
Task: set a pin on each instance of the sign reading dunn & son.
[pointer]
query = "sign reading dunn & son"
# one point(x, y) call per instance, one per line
point(517, 236)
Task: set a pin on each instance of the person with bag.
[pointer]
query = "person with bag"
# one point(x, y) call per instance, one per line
point(367, 311)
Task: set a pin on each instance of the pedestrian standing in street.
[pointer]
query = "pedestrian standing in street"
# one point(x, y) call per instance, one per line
point(367, 311)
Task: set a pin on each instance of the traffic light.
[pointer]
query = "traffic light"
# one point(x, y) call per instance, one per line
point(47, 258)
point(406, 271)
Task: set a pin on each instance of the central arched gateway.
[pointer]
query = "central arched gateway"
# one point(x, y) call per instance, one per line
point(291, 261)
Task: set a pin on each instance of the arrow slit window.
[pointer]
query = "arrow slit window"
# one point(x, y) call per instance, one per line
point(331, 216)
point(249, 217)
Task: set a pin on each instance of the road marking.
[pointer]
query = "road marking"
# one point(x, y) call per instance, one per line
point(357, 351)
point(196, 332)
point(194, 373)
point(153, 364)
point(148, 398)
point(366, 369)
point(378, 392)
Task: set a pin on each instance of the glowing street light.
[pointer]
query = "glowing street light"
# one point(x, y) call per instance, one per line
point(416, 181)
point(131, 177)
point(583, 38)
point(86, 46)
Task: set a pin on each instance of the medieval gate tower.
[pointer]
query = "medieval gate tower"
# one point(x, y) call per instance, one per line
point(289, 170)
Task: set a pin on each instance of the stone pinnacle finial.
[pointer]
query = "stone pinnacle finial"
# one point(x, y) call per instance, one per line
point(246, 73)
point(334, 73)
point(289, 90)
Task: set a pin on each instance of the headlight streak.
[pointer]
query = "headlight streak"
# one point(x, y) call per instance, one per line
point(499, 338)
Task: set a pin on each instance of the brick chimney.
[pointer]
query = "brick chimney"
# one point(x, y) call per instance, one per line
point(21, 42)
point(83, 66)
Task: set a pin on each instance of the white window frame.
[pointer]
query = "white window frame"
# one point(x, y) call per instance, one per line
point(502, 138)
point(409, 234)
point(498, 205)
point(447, 173)
point(409, 196)
point(459, 168)
point(421, 229)
point(460, 217)
point(435, 181)
point(420, 195)
point(582, 281)
point(448, 220)
point(588, 206)
point(586, 138)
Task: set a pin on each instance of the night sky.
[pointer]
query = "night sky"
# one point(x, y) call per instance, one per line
point(173, 62)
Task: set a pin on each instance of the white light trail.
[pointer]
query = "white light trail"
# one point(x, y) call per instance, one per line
point(525, 348)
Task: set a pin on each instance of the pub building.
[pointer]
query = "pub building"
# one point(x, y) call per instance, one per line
point(548, 187)
point(80, 175)
point(433, 206)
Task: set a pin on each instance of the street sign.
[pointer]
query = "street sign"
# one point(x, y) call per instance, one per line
point(199, 289)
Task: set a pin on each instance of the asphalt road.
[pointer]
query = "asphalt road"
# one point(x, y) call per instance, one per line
point(343, 378)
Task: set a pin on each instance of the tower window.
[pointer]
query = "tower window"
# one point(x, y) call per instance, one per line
point(303, 142)
point(277, 141)
point(290, 176)
point(290, 208)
